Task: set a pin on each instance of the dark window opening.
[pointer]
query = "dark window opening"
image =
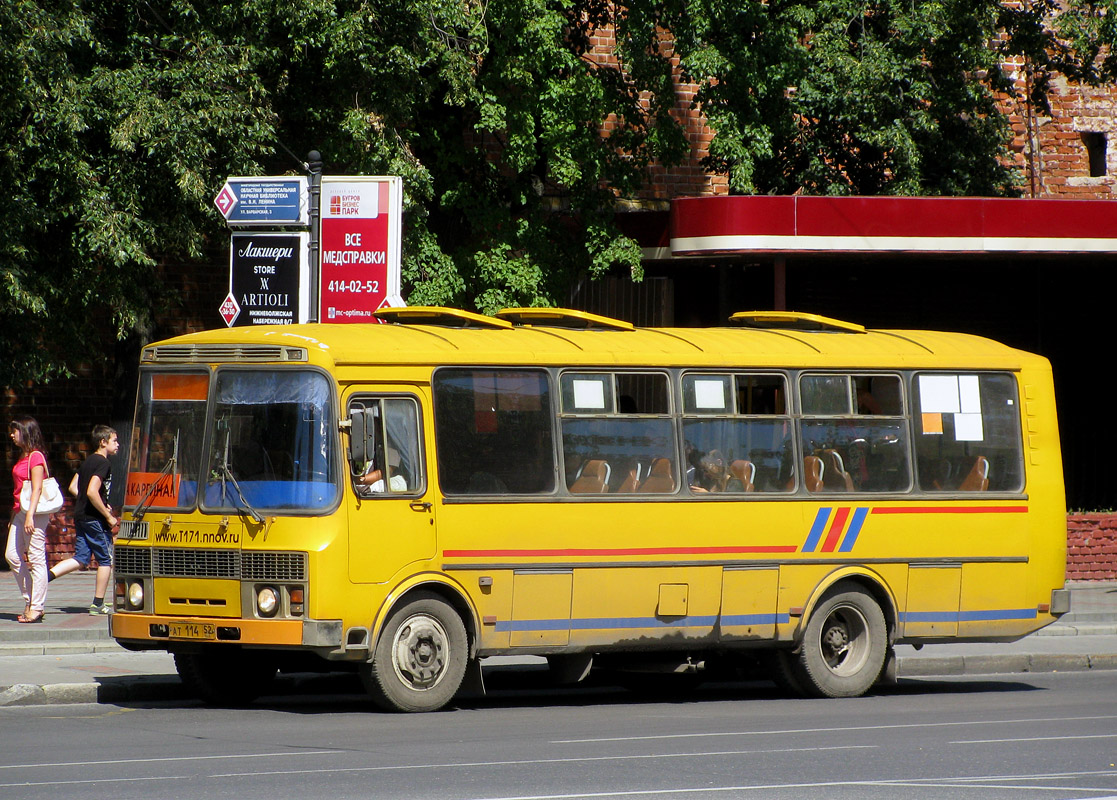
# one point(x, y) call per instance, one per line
point(1095, 150)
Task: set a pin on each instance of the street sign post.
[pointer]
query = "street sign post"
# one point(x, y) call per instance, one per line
point(250, 201)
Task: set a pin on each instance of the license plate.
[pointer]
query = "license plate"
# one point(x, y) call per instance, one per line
point(132, 530)
point(192, 630)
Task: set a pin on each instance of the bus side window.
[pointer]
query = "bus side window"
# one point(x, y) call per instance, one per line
point(737, 433)
point(493, 431)
point(393, 458)
point(622, 421)
point(968, 435)
point(856, 427)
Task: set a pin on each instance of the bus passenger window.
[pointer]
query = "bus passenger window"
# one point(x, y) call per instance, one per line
point(968, 435)
point(855, 426)
point(737, 433)
point(493, 430)
point(621, 421)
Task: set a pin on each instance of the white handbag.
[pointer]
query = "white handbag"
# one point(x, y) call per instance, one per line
point(50, 498)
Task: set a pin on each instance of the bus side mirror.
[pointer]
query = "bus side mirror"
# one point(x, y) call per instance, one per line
point(358, 437)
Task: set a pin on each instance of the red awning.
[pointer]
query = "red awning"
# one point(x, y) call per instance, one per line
point(726, 225)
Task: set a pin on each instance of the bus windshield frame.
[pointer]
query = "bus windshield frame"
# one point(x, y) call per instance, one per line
point(254, 440)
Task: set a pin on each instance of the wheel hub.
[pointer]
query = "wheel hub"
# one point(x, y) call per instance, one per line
point(843, 641)
point(836, 642)
point(419, 652)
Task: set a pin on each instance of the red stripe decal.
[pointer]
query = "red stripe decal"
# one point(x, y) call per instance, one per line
point(953, 510)
point(622, 551)
point(835, 532)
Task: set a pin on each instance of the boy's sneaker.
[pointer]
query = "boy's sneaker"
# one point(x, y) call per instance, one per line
point(99, 610)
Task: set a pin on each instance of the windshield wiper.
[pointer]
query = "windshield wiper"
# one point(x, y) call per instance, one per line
point(144, 504)
point(227, 474)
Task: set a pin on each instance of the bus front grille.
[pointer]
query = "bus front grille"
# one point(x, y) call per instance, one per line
point(265, 566)
point(176, 562)
point(132, 560)
point(192, 563)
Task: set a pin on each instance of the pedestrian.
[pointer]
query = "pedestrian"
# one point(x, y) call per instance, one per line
point(27, 534)
point(93, 518)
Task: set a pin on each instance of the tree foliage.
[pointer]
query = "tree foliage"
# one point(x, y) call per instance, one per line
point(120, 119)
point(877, 96)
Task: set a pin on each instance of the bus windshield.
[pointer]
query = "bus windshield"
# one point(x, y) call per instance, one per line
point(270, 448)
point(272, 443)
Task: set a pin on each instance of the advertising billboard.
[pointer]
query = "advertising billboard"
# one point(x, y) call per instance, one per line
point(361, 229)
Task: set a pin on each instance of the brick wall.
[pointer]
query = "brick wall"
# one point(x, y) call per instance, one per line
point(1050, 149)
point(1092, 547)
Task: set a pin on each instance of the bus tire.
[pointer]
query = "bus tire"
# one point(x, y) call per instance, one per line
point(228, 677)
point(420, 658)
point(844, 645)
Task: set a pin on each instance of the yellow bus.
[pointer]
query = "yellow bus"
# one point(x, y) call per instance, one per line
point(406, 499)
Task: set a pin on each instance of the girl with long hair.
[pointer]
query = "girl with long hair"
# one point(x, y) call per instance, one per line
point(27, 534)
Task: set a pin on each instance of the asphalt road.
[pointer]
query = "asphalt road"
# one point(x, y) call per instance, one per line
point(1012, 736)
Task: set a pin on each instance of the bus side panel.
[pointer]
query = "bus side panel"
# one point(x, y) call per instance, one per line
point(995, 600)
point(628, 607)
point(748, 603)
point(933, 600)
point(541, 608)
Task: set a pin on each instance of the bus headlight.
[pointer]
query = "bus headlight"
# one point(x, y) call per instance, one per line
point(136, 595)
point(267, 601)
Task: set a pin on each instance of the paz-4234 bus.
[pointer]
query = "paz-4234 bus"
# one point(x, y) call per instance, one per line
point(408, 498)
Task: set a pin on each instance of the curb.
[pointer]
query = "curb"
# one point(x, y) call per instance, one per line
point(932, 666)
point(130, 691)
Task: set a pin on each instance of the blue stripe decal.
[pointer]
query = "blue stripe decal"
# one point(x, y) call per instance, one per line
point(1007, 613)
point(604, 623)
point(994, 615)
point(816, 530)
point(855, 524)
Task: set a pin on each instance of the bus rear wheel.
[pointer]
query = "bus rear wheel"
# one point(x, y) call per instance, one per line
point(844, 645)
point(420, 658)
point(226, 677)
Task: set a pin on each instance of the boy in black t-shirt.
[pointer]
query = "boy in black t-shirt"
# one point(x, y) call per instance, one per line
point(93, 519)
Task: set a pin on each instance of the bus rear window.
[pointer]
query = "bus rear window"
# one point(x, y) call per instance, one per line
point(967, 432)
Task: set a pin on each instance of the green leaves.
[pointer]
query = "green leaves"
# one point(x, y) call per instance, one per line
point(120, 120)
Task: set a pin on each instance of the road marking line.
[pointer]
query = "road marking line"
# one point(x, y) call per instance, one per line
point(1037, 739)
point(163, 759)
point(829, 730)
point(531, 761)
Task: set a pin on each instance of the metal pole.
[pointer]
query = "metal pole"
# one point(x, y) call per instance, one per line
point(314, 166)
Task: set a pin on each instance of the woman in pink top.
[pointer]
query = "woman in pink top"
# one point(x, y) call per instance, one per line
point(27, 535)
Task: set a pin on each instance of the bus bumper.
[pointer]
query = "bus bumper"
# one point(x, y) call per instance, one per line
point(163, 631)
point(1060, 602)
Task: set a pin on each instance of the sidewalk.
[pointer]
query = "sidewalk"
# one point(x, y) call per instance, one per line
point(69, 657)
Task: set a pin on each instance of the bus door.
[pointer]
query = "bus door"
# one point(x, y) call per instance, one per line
point(391, 511)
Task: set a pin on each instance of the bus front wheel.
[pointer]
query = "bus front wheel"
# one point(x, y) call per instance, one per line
point(420, 657)
point(844, 646)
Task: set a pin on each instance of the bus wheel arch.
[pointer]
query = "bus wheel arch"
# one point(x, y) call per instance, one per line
point(846, 641)
point(421, 651)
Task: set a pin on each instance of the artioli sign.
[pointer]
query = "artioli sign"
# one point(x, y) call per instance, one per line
point(360, 247)
point(267, 271)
